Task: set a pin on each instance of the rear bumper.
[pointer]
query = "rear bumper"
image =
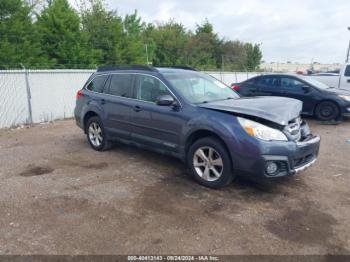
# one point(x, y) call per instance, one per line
point(79, 123)
point(78, 120)
point(290, 158)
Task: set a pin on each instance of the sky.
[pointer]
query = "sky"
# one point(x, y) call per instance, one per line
point(297, 31)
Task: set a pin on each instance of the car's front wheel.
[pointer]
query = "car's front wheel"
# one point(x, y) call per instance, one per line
point(96, 135)
point(209, 163)
point(327, 111)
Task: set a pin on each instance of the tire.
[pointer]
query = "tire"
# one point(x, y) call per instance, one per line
point(326, 111)
point(96, 135)
point(202, 167)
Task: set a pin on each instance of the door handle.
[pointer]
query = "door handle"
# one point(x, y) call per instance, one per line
point(137, 109)
point(348, 81)
point(103, 101)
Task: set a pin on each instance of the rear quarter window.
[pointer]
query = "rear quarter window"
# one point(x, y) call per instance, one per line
point(251, 81)
point(97, 84)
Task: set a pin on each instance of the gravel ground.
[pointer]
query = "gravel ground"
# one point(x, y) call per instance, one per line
point(58, 196)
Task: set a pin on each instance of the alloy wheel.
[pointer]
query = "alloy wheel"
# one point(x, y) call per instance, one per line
point(95, 134)
point(208, 163)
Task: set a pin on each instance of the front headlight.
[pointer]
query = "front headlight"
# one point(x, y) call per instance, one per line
point(261, 131)
point(347, 98)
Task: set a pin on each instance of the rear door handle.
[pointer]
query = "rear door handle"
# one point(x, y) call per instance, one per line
point(103, 101)
point(348, 81)
point(137, 109)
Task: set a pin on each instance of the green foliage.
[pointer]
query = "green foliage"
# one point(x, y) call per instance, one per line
point(104, 30)
point(254, 56)
point(234, 55)
point(18, 39)
point(204, 47)
point(59, 36)
point(170, 40)
point(132, 46)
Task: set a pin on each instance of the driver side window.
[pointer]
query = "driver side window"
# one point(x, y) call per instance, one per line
point(149, 88)
point(292, 84)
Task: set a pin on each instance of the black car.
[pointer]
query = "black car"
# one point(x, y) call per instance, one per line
point(194, 117)
point(318, 99)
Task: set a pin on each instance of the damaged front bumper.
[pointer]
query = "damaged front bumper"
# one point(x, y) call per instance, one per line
point(278, 159)
point(297, 158)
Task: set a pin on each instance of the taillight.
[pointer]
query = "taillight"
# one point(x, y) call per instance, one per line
point(235, 87)
point(78, 95)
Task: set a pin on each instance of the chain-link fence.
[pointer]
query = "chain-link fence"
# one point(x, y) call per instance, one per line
point(35, 96)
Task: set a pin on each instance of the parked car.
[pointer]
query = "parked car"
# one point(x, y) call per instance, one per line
point(318, 99)
point(198, 119)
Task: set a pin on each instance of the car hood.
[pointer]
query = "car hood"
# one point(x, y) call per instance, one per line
point(279, 110)
point(338, 91)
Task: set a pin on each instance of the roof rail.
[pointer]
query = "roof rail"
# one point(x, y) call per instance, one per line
point(126, 67)
point(184, 67)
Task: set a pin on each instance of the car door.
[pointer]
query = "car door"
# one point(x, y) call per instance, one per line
point(295, 88)
point(268, 86)
point(118, 105)
point(154, 125)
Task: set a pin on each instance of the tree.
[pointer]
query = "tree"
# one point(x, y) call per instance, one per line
point(204, 48)
point(62, 37)
point(62, 41)
point(150, 44)
point(254, 56)
point(104, 31)
point(170, 40)
point(234, 55)
point(18, 38)
point(133, 48)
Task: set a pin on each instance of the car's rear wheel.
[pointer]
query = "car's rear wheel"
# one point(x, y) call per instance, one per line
point(209, 163)
point(96, 135)
point(327, 111)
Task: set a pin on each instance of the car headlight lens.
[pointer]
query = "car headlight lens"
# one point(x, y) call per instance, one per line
point(261, 131)
point(347, 98)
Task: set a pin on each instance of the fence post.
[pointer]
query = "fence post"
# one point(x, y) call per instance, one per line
point(29, 96)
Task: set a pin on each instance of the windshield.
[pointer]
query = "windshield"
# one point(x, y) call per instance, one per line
point(199, 87)
point(315, 83)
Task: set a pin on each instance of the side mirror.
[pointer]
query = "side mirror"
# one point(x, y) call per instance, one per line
point(165, 100)
point(306, 89)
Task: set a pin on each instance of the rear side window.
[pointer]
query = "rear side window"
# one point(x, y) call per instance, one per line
point(97, 84)
point(347, 71)
point(121, 85)
point(269, 81)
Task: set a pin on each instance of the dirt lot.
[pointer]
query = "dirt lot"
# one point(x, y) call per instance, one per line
point(58, 196)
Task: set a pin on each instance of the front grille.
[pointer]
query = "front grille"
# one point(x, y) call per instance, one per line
point(293, 129)
point(283, 166)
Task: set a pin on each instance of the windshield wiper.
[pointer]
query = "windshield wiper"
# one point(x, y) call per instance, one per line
point(206, 101)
